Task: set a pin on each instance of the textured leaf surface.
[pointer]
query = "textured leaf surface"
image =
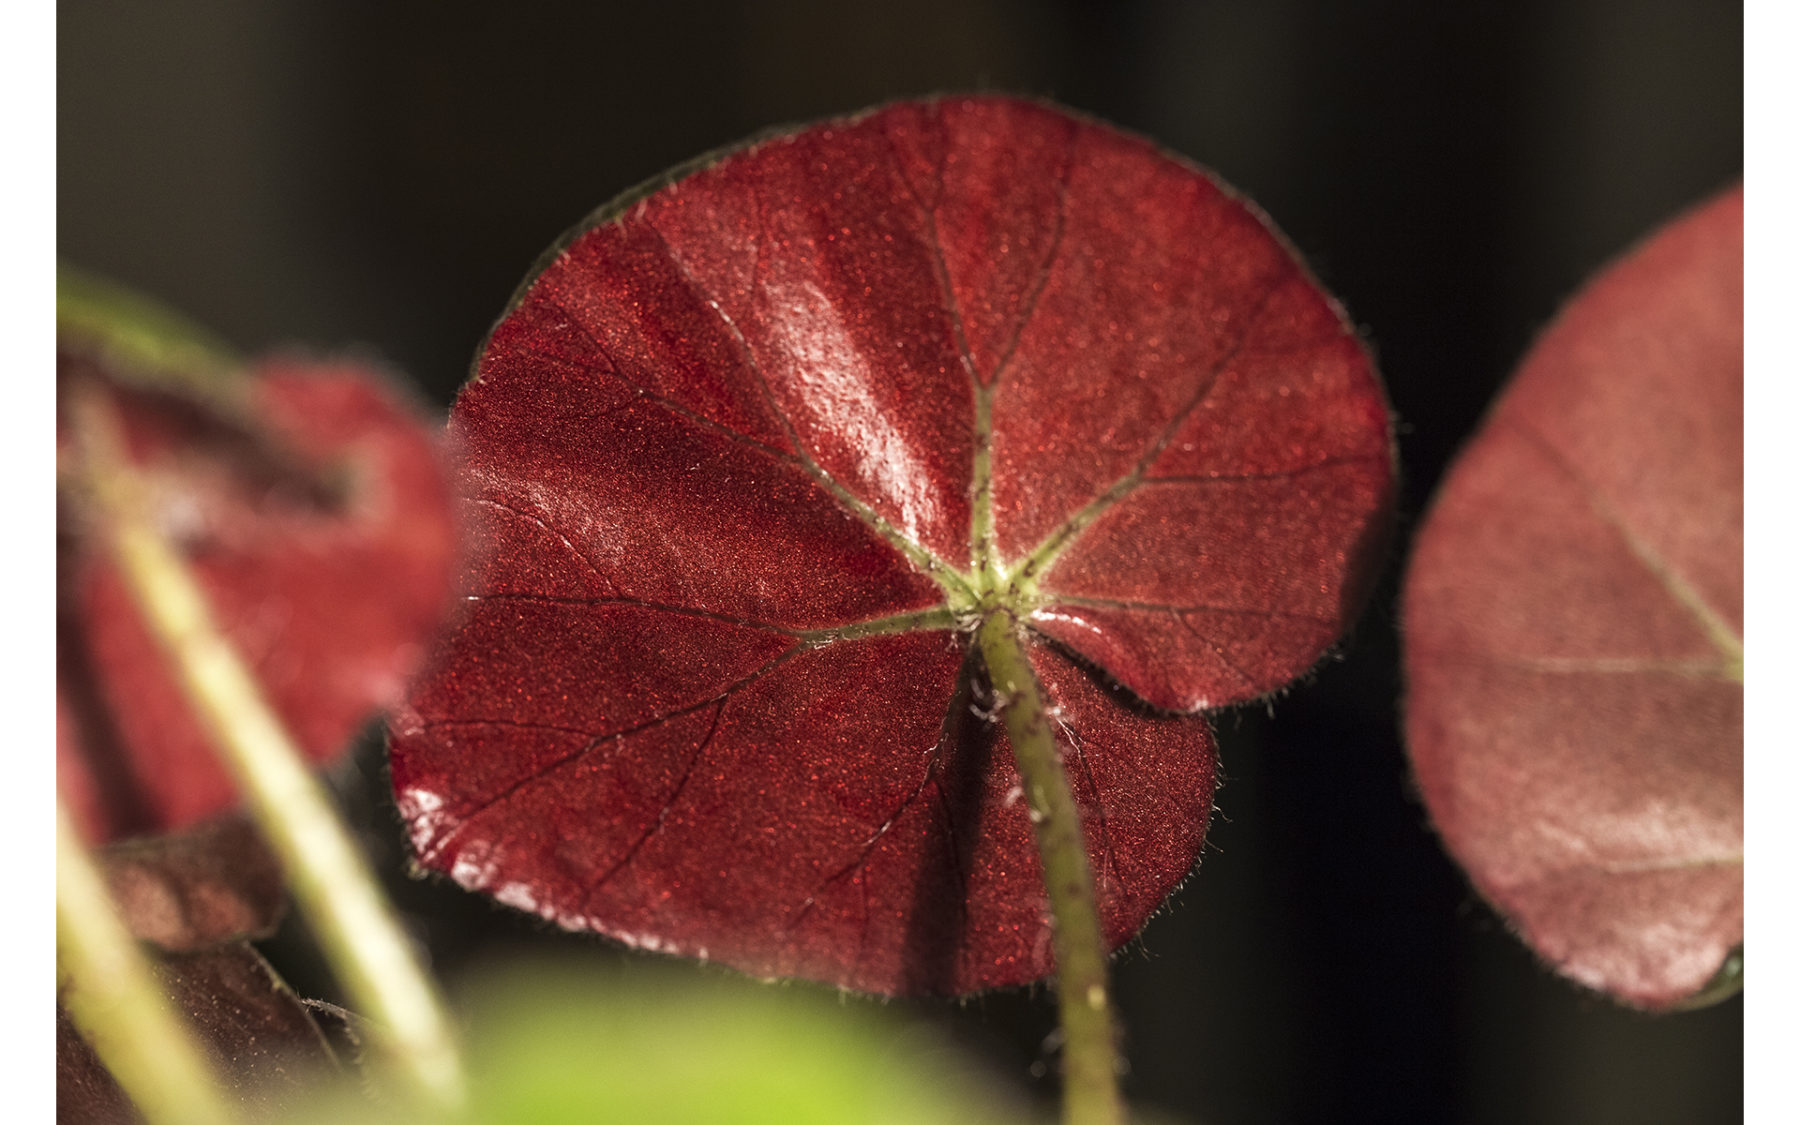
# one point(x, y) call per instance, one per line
point(320, 524)
point(755, 452)
point(1574, 612)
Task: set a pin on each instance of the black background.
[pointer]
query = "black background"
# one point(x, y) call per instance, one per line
point(336, 173)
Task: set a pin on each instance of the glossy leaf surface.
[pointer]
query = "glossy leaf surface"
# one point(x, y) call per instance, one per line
point(754, 454)
point(1574, 613)
point(315, 511)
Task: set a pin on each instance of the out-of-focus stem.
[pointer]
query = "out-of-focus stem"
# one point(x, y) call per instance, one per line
point(1090, 1044)
point(358, 933)
point(106, 985)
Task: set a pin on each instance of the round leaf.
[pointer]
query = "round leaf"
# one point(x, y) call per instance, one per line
point(1574, 611)
point(760, 446)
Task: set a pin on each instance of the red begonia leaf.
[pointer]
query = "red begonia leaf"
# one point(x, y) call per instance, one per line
point(316, 513)
point(1574, 608)
point(713, 691)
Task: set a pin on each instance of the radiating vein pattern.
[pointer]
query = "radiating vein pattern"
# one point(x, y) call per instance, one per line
point(752, 456)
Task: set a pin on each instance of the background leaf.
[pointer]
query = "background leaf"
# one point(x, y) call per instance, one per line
point(262, 1038)
point(314, 510)
point(188, 890)
point(1574, 622)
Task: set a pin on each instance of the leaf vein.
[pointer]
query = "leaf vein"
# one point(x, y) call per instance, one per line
point(662, 814)
point(1699, 668)
point(469, 815)
point(912, 551)
point(1249, 683)
point(1053, 544)
point(1196, 607)
point(636, 603)
point(1726, 639)
point(654, 397)
point(1065, 173)
point(939, 266)
point(545, 524)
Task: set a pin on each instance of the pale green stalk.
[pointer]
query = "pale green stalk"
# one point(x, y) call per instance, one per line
point(1090, 1041)
point(357, 931)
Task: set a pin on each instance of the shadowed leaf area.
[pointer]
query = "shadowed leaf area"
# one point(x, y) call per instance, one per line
point(189, 890)
point(756, 451)
point(196, 896)
point(261, 1038)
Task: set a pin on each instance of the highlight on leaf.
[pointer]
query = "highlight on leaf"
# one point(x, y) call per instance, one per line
point(758, 448)
point(1574, 615)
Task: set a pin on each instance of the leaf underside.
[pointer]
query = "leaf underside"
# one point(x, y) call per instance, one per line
point(753, 456)
point(1574, 615)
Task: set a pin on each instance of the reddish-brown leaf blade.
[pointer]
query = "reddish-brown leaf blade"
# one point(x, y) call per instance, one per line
point(731, 804)
point(188, 890)
point(834, 289)
point(1573, 612)
point(837, 821)
point(1206, 425)
point(729, 459)
point(994, 211)
point(1247, 548)
point(1130, 330)
point(261, 1037)
point(325, 543)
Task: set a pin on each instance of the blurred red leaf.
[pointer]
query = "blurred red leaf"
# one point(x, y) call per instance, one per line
point(320, 524)
point(1573, 615)
point(184, 891)
point(713, 691)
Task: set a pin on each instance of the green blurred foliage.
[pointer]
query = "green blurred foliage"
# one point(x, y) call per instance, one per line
point(557, 1044)
point(138, 338)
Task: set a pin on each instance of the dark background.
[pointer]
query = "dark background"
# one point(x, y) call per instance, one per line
point(383, 174)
